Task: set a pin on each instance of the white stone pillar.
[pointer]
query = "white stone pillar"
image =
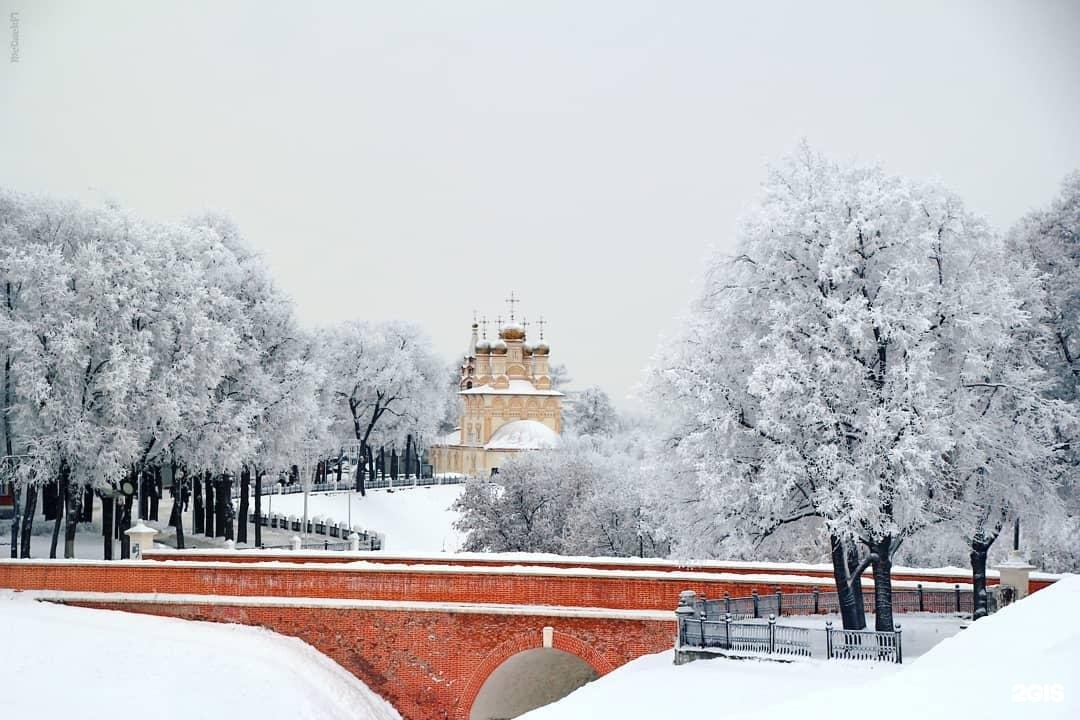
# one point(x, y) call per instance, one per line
point(1016, 572)
point(142, 538)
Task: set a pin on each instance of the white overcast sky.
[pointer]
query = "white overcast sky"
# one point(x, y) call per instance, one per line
point(417, 160)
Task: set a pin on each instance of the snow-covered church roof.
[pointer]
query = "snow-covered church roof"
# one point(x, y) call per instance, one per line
point(523, 435)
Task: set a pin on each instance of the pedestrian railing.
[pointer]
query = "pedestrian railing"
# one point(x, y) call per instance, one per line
point(369, 540)
point(882, 646)
point(734, 624)
point(779, 603)
point(348, 484)
point(728, 633)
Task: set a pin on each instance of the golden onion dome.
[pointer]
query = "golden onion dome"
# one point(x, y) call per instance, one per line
point(512, 332)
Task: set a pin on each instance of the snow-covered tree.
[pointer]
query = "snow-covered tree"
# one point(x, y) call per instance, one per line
point(590, 412)
point(383, 381)
point(581, 498)
point(817, 379)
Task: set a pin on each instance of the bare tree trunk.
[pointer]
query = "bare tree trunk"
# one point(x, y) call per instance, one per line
point(851, 610)
point(108, 525)
point(73, 511)
point(125, 525)
point(881, 554)
point(155, 493)
point(855, 570)
point(245, 488)
point(197, 515)
point(16, 518)
point(258, 508)
point(29, 510)
point(208, 498)
point(224, 510)
point(176, 518)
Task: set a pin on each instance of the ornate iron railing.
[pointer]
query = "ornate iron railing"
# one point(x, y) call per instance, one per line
point(767, 638)
point(883, 646)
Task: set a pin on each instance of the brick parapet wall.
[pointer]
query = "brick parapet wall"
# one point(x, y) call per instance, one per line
point(429, 665)
point(622, 590)
point(494, 560)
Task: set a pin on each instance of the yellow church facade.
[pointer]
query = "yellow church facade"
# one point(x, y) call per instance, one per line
point(508, 405)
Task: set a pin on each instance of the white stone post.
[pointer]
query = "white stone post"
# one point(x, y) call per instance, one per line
point(142, 538)
point(1016, 572)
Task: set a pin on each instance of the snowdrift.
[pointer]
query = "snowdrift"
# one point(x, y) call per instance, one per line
point(1022, 662)
point(80, 663)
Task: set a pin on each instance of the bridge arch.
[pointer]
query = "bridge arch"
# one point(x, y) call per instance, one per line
point(526, 652)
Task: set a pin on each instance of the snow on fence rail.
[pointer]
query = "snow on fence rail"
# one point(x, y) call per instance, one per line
point(743, 636)
point(346, 484)
point(778, 603)
point(318, 525)
point(734, 623)
point(882, 646)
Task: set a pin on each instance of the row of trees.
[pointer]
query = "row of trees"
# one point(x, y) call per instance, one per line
point(130, 347)
point(875, 375)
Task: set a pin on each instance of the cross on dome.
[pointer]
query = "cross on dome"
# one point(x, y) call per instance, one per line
point(512, 301)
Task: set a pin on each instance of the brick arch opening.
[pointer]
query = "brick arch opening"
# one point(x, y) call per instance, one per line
point(523, 656)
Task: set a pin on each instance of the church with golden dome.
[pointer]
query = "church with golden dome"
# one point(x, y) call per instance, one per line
point(508, 403)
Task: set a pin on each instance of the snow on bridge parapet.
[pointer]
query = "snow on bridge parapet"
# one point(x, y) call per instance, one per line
point(819, 573)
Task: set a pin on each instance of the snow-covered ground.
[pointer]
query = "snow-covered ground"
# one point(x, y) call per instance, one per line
point(79, 663)
point(412, 519)
point(1022, 662)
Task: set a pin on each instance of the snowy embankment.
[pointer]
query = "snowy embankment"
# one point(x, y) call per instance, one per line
point(1022, 662)
point(412, 519)
point(80, 663)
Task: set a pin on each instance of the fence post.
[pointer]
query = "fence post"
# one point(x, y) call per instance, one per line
point(957, 593)
point(828, 639)
point(727, 631)
point(899, 645)
point(772, 633)
point(817, 599)
point(919, 593)
point(779, 601)
point(683, 612)
point(757, 608)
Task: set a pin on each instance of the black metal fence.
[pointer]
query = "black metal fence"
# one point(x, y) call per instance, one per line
point(883, 646)
point(347, 484)
point(743, 636)
point(318, 526)
point(779, 603)
point(729, 623)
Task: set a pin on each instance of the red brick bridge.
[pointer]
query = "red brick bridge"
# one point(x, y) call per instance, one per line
point(441, 638)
